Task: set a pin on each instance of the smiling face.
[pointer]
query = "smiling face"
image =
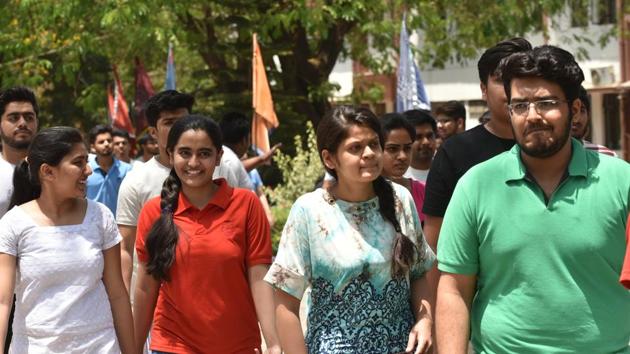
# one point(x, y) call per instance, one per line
point(18, 125)
point(68, 179)
point(194, 159)
point(541, 132)
point(358, 158)
point(397, 154)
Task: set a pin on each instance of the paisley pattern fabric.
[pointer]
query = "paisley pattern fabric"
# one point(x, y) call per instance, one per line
point(343, 251)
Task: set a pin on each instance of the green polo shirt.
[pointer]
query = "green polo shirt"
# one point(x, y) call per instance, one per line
point(547, 272)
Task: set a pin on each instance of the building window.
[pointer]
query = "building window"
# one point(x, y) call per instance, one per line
point(612, 124)
point(604, 12)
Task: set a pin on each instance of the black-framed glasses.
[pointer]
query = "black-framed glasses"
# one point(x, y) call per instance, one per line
point(542, 107)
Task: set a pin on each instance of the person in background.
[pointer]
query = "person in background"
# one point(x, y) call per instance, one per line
point(236, 137)
point(259, 190)
point(580, 126)
point(18, 125)
point(451, 119)
point(359, 245)
point(203, 249)
point(162, 111)
point(424, 146)
point(148, 148)
point(399, 137)
point(60, 254)
point(462, 151)
point(121, 145)
point(108, 172)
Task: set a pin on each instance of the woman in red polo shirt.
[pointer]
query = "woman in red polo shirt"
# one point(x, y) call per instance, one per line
point(203, 249)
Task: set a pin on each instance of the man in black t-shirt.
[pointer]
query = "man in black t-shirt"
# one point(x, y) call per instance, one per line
point(462, 151)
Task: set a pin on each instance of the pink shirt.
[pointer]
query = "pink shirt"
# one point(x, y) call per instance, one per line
point(417, 192)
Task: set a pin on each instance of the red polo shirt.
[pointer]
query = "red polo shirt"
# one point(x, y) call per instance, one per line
point(207, 305)
point(625, 270)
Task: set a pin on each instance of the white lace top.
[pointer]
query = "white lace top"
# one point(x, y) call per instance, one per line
point(61, 302)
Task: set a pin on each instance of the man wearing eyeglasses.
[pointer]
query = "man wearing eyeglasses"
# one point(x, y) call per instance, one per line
point(579, 126)
point(533, 240)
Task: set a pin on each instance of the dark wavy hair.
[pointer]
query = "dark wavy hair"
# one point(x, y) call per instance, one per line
point(49, 146)
point(488, 64)
point(168, 100)
point(162, 238)
point(331, 131)
point(547, 62)
point(18, 94)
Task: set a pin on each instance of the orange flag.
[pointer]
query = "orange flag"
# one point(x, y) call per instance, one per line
point(264, 115)
point(118, 109)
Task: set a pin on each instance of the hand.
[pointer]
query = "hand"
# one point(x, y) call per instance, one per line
point(420, 336)
point(266, 157)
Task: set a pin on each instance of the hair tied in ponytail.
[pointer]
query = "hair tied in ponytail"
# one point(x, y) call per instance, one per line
point(167, 209)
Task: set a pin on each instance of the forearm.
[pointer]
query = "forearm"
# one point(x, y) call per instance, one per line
point(126, 253)
point(262, 294)
point(123, 322)
point(252, 162)
point(5, 311)
point(421, 299)
point(143, 307)
point(7, 287)
point(290, 330)
point(453, 316)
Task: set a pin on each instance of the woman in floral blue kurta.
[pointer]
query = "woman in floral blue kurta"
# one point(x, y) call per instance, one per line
point(343, 250)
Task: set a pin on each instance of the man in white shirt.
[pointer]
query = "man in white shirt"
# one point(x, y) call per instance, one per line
point(18, 125)
point(145, 181)
point(235, 130)
point(423, 147)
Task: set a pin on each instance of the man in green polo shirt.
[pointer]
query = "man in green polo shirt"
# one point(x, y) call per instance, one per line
point(533, 240)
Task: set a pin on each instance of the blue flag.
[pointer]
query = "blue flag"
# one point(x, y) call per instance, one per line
point(170, 70)
point(410, 93)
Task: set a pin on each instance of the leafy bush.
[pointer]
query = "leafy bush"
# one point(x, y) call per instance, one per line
point(300, 173)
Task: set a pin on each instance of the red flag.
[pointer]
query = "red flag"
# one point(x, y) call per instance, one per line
point(144, 90)
point(118, 109)
point(264, 115)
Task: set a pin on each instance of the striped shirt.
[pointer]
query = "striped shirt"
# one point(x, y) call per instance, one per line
point(599, 148)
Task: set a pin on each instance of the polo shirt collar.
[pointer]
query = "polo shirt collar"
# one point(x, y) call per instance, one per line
point(516, 170)
point(95, 166)
point(220, 199)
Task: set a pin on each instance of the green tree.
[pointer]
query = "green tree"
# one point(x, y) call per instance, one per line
point(66, 48)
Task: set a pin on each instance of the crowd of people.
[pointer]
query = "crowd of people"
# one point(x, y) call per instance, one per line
point(509, 237)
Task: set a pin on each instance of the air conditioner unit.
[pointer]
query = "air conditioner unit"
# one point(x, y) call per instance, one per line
point(603, 76)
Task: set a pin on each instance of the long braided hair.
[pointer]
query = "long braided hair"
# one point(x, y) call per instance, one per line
point(162, 238)
point(331, 132)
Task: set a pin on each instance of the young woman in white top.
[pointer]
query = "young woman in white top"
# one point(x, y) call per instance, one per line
point(60, 254)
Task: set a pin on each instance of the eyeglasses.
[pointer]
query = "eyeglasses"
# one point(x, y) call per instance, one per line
point(542, 107)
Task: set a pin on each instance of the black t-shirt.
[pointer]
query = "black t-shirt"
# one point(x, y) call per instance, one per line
point(456, 156)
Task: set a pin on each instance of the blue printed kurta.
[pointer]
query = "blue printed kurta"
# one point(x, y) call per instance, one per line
point(343, 251)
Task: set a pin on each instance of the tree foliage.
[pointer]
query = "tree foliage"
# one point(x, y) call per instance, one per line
point(65, 49)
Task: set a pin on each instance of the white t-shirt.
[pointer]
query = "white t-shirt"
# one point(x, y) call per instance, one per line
point(232, 170)
point(141, 184)
point(6, 184)
point(416, 174)
point(61, 302)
